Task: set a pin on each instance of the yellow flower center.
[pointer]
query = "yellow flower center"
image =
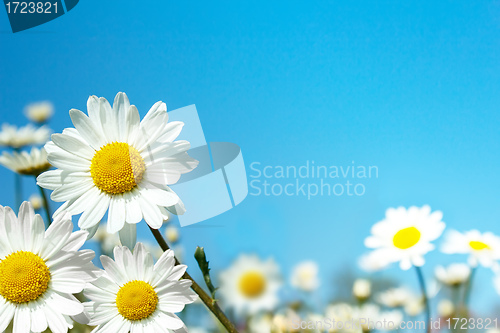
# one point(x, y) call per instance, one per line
point(136, 300)
point(479, 246)
point(117, 168)
point(252, 284)
point(24, 276)
point(406, 238)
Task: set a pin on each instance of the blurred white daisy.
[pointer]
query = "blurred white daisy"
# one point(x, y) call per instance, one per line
point(305, 276)
point(362, 289)
point(260, 324)
point(371, 317)
point(40, 270)
point(483, 248)
point(136, 295)
point(312, 323)
point(395, 297)
point(414, 305)
point(39, 112)
point(446, 308)
point(172, 234)
point(285, 322)
point(107, 241)
point(28, 135)
point(155, 250)
point(339, 314)
point(250, 285)
point(454, 275)
point(373, 262)
point(24, 163)
point(405, 235)
point(392, 319)
point(114, 162)
point(36, 201)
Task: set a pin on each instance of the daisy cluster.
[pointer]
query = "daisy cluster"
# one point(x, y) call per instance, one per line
point(112, 170)
point(111, 163)
point(256, 292)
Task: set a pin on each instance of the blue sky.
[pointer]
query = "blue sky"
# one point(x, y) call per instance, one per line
point(411, 87)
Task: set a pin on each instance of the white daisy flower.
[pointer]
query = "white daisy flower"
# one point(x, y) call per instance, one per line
point(172, 234)
point(286, 322)
point(28, 135)
point(415, 305)
point(260, 324)
point(405, 235)
point(483, 248)
point(362, 289)
point(36, 201)
point(24, 163)
point(39, 112)
point(312, 323)
point(446, 308)
point(136, 295)
point(370, 317)
point(339, 314)
point(392, 319)
point(454, 275)
point(40, 270)
point(305, 276)
point(395, 297)
point(250, 285)
point(113, 162)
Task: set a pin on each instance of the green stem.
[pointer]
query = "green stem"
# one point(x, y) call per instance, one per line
point(205, 298)
point(18, 189)
point(45, 206)
point(421, 281)
point(468, 288)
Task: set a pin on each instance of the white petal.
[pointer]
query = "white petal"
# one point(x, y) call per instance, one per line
point(22, 319)
point(91, 217)
point(77, 206)
point(121, 106)
point(64, 305)
point(25, 218)
point(172, 131)
point(7, 311)
point(116, 214)
point(151, 213)
point(113, 270)
point(132, 207)
point(73, 146)
point(160, 197)
point(55, 237)
point(75, 241)
point(56, 321)
point(128, 235)
point(71, 191)
point(37, 234)
point(108, 121)
point(87, 129)
point(53, 179)
point(61, 159)
point(38, 320)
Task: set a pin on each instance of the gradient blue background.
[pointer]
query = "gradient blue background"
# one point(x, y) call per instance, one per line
point(409, 86)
